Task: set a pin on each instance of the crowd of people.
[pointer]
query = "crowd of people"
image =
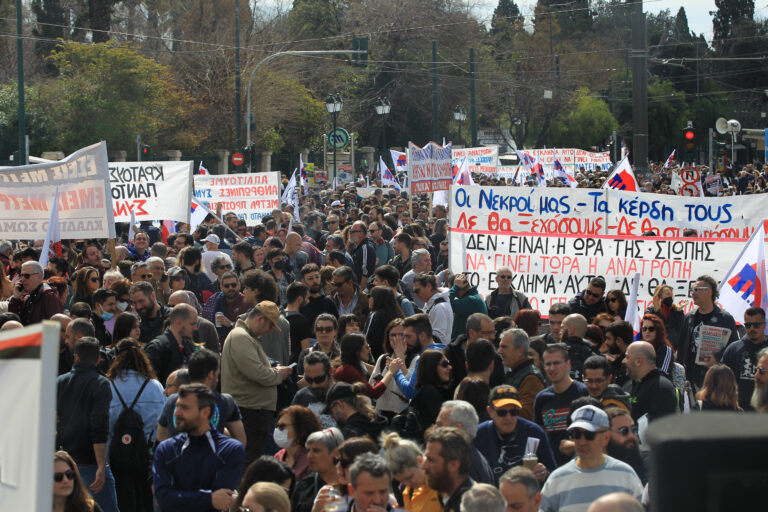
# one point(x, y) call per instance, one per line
point(337, 364)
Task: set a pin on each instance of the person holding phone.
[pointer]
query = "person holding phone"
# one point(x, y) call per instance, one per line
point(32, 299)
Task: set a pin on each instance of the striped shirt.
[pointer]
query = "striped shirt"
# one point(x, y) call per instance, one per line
point(572, 489)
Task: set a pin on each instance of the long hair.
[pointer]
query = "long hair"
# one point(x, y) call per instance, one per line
point(657, 298)
point(622, 300)
point(130, 356)
point(123, 326)
point(360, 402)
point(351, 345)
point(80, 285)
point(384, 302)
point(304, 422)
point(427, 372)
point(80, 500)
point(475, 391)
point(264, 469)
point(661, 331)
point(720, 387)
point(528, 320)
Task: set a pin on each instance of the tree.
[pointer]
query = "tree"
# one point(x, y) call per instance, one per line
point(729, 13)
point(50, 27)
point(505, 16)
point(587, 123)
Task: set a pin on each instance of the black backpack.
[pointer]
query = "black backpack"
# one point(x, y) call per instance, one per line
point(129, 450)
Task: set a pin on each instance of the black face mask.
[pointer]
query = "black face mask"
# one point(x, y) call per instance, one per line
point(667, 301)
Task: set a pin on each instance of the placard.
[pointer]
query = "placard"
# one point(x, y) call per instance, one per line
point(250, 196)
point(145, 187)
point(429, 168)
point(482, 159)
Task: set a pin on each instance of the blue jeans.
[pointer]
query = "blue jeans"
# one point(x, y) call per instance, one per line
point(107, 498)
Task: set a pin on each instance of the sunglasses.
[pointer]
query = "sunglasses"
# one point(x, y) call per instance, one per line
point(626, 430)
point(231, 285)
point(315, 380)
point(593, 294)
point(325, 329)
point(577, 434)
point(338, 460)
point(504, 277)
point(27, 276)
point(648, 329)
point(698, 289)
point(502, 413)
point(226, 266)
point(445, 364)
point(612, 299)
point(337, 285)
point(753, 325)
point(58, 477)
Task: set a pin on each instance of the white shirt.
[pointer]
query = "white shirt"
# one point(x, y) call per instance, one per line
point(440, 316)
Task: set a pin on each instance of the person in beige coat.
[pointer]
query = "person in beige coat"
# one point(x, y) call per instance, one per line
point(247, 375)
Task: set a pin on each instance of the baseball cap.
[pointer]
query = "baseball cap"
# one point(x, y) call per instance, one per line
point(502, 396)
point(214, 239)
point(338, 391)
point(336, 203)
point(589, 418)
point(269, 309)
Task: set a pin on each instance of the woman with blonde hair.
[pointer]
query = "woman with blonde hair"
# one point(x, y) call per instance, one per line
point(720, 390)
point(266, 497)
point(404, 458)
point(69, 491)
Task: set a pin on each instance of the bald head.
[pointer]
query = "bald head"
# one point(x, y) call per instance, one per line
point(63, 322)
point(643, 351)
point(575, 325)
point(178, 297)
point(10, 325)
point(292, 242)
point(616, 502)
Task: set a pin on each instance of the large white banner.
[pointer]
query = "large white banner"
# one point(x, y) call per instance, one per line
point(250, 196)
point(573, 160)
point(85, 204)
point(151, 190)
point(429, 168)
point(483, 159)
point(555, 240)
point(28, 359)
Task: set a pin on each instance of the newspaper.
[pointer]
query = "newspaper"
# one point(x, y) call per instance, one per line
point(710, 340)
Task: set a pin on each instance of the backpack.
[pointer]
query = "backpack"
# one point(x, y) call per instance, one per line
point(408, 425)
point(129, 450)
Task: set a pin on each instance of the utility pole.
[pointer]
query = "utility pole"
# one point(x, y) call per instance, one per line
point(20, 59)
point(435, 98)
point(472, 97)
point(639, 90)
point(238, 120)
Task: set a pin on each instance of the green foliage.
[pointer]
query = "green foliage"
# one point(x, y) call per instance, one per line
point(272, 140)
point(730, 13)
point(38, 120)
point(666, 113)
point(585, 124)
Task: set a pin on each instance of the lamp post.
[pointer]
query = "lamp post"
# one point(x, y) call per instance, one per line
point(334, 104)
point(383, 106)
point(460, 115)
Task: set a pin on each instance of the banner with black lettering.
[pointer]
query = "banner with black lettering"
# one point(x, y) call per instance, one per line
point(85, 204)
point(151, 190)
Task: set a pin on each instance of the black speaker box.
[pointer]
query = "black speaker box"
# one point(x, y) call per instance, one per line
point(709, 462)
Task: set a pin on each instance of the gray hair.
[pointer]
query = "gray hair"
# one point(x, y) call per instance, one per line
point(519, 338)
point(475, 321)
point(5, 246)
point(82, 327)
point(762, 353)
point(218, 261)
point(462, 414)
point(336, 240)
point(331, 438)
point(113, 273)
point(38, 268)
point(139, 264)
point(370, 463)
point(159, 249)
point(401, 454)
point(155, 259)
point(418, 254)
point(483, 498)
point(521, 475)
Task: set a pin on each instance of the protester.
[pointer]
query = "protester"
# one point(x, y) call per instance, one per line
point(520, 490)
point(663, 306)
point(759, 401)
point(523, 374)
point(404, 459)
point(720, 390)
point(653, 331)
point(505, 300)
point(461, 414)
point(436, 305)
point(355, 351)
point(351, 409)
point(32, 299)
point(294, 425)
point(624, 444)
point(652, 392)
point(741, 355)
point(446, 464)
point(465, 300)
point(69, 491)
point(591, 301)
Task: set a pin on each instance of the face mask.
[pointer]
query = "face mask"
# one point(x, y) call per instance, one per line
point(281, 438)
point(667, 301)
point(122, 306)
point(107, 316)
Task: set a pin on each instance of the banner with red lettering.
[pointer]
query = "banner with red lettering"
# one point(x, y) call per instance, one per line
point(85, 203)
point(429, 168)
point(555, 240)
point(145, 188)
point(250, 196)
point(483, 159)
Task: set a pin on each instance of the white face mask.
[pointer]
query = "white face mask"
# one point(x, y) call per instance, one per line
point(281, 438)
point(122, 306)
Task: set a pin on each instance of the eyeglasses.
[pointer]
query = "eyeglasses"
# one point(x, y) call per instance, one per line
point(337, 284)
point(445, 364)
point(593, 294)
point(699, 289)
point(243, 508)
point(649, 328)
point(316, 380)
point(27, 276)
point(344, 462)
point(325, 329)
point(761, 371)
point(226, 266)
point(502, 413)
point(504, 277)
point(612, 299)
point(576, 434)
point(58, 477)
point(231, 285)
point(753, 325)
point(625, 431)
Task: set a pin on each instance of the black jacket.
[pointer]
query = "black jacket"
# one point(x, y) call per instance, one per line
point(455, 352)
point(102, 334)
point(454, 502)
point(82, 411)
point(358, 425)
point(654, 395)
point(164, 354)
point(579, 350)
point(427, 403)
point(516, 302)
point(686, 350)
point(151, 328)
point(673, 323)
point(589, 312)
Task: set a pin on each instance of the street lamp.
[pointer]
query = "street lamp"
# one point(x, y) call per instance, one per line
point(460, 115)
point(333, 104)
point(383, 106)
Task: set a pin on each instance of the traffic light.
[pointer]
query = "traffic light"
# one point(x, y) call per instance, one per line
point(145, 150)
point(689, 134)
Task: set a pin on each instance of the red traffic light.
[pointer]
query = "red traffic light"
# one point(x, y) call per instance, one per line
point(689, 134)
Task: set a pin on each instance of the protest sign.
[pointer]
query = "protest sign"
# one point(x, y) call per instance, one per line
point(710, 340)
point(554, 240)
point(713, 184)
point(345, 174)
point(144, 188)
point(482, 159)
point(429, 168)
point(250, 196)
point(85, 203)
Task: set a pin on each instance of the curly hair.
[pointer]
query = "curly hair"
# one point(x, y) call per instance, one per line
point(130, 356)
point(304, 422)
